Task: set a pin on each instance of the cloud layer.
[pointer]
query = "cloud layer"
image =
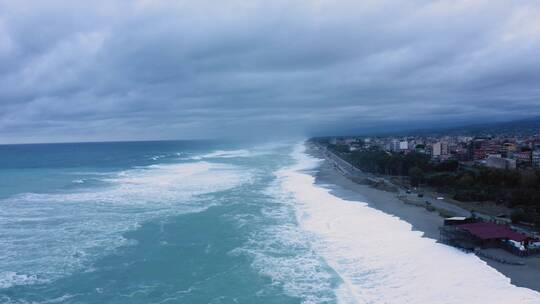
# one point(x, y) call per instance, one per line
point(110, 70)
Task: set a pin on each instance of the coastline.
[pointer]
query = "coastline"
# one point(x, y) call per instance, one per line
point(421, 219)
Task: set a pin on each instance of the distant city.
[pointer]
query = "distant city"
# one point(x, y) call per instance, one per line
point(497, 151)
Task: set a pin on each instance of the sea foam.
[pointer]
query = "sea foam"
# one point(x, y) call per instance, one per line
point(378, 257)
point(281, 251)
point(278, 248)
point(47, 236)
point(239, 153)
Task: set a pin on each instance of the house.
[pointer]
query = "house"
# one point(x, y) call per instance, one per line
point(486, 235)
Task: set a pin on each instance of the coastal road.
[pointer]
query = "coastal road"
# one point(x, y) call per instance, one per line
point(349, 170)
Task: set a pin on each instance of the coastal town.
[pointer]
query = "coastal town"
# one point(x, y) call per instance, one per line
point(484, 188)
point(502, 152)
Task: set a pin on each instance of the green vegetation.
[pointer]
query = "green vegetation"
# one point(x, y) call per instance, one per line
point(518, 189)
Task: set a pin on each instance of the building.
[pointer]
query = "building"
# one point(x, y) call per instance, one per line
point(487, 235)
point(508, 149)
point(420, 148)
point(523, 158)
point(394, 145)
point(461, 153)
point(403, 145)
point(493, 147)
point(436, 150)
point(445, 152)
point(496, 161)
point(479, 148)
point(536, 158)
point(457, 220)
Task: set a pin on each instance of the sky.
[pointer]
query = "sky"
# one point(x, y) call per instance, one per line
point(133, 70)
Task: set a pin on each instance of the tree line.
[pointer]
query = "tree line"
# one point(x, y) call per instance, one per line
point(517, 189)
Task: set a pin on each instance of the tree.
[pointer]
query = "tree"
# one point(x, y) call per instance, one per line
point(466, 181)
point(416, 175)
point(517, 215)
point(528, 179)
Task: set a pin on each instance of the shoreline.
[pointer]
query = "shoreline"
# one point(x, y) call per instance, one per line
point(422, 220)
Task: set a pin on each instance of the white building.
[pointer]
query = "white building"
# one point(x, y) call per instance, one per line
point(436, 149)
point(403, 145)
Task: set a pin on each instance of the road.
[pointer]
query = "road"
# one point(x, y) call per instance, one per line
point(347, 169)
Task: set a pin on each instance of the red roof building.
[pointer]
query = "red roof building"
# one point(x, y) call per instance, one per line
point(492, 231)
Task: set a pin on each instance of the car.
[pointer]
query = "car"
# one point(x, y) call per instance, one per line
point(420, 194)
point(408, 191)
point(440, 197)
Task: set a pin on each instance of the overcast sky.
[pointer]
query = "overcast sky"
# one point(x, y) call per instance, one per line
point(121, 70)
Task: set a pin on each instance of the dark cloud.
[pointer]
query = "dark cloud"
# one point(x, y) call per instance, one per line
point(110, 70)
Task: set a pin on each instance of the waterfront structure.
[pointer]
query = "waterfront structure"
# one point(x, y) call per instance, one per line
point(479, 234)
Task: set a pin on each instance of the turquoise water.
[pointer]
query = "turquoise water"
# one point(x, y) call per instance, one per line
point(210, 222)
point(152, 222)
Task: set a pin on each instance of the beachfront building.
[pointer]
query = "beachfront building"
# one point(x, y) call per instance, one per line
point(471, 235)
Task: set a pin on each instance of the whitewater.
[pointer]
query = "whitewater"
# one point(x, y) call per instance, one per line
point(380, 259)
point(206, 222)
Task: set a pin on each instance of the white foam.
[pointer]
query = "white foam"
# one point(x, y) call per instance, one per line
point(381, 260)
point(258, 150)
point(47, 236)
point(157, 157)
point(223, 154)
point(10, 278)
point(282, 251)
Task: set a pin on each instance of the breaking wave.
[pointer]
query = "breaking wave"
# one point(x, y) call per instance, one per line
point(379, 259)
point(46, 236)
point(222, 154)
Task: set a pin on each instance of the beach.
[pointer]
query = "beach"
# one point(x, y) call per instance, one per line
point(427, 222)
point(184, 223)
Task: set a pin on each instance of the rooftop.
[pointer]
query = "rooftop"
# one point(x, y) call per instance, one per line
point(486, 231)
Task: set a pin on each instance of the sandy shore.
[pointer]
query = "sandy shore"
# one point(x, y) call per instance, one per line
point(527, 275)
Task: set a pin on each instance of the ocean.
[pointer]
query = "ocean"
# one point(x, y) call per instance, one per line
point(211, 222)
